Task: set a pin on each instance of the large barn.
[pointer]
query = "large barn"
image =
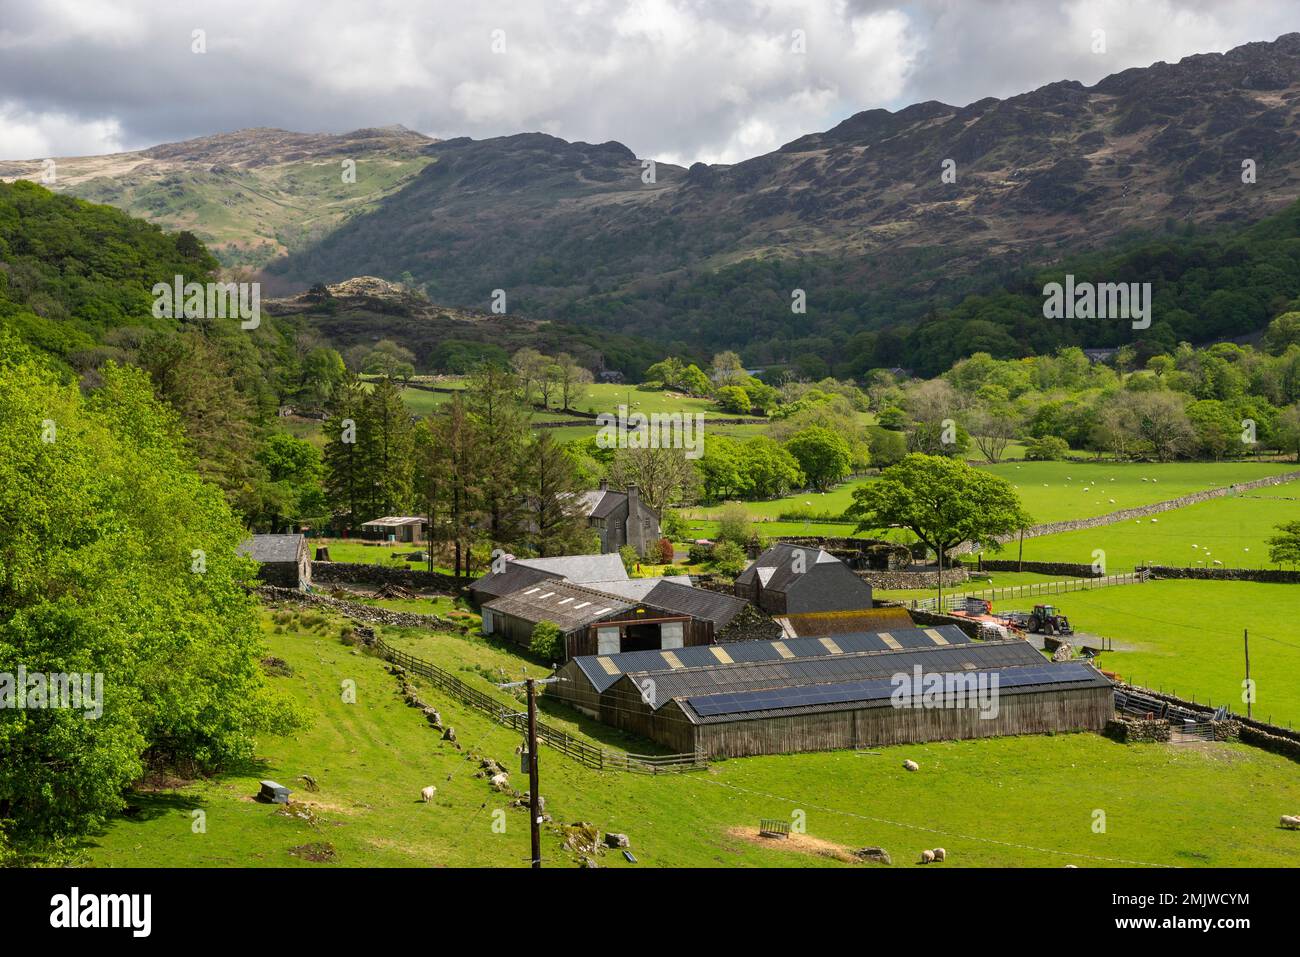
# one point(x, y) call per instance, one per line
point(845, 691)
point(614, 617)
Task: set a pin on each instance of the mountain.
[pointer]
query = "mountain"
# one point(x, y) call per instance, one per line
point(253, 195)
point(708, 257)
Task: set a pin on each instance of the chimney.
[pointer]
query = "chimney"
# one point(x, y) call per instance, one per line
point(604, 485)
point(635, 533)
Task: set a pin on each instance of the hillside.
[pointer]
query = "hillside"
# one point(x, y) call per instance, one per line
point(251, 195)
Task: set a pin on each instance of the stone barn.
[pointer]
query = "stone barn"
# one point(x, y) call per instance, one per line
point(283, 560)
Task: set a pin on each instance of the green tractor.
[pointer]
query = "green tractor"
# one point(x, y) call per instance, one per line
point(1047, 620)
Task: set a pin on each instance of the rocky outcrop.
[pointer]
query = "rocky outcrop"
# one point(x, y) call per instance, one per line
point(359, 611)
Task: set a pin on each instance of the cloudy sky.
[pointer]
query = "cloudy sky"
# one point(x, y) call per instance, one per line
point(679, 80)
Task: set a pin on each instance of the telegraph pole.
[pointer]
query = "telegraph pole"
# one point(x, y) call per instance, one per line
point(534, 798)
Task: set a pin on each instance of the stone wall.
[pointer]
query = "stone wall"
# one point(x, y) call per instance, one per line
point(1137, 730)
point(1276, 743)
point(905, 579)
point(360, 611)
point(1271, 575)
point(751, 624)
point(1128, 514)
point(1068, 569)
point(360, 573)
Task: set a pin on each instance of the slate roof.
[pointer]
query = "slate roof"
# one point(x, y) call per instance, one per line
point(272, 549)
point(603, 670)
point(568, 605)
point(826, 584)
point(697, 602)
point(522, 572)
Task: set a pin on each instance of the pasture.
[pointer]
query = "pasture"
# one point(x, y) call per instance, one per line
point(1014, 801)
point(1231, 530)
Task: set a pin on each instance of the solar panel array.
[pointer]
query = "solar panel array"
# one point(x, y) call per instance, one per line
point(870, 690)
point(628, 662)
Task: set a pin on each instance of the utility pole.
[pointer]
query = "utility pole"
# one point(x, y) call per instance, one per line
point(1020, 559)
point(534, 798)
point(939, 552)
point(1245, 637)
point(534, 792)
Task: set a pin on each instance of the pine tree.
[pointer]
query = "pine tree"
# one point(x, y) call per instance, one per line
point(502, 425)
point(346, 474)
point(551, 489)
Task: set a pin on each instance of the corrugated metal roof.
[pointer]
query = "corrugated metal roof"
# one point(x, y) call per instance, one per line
point(270, 549)
point(697, 602)
point(568, 605)
point(636, 589)
point(744, 652)
point(833, 669)
point(876, 692)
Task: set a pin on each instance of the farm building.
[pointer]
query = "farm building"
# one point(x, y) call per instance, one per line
point(283, 559)
point(398, 528)
point(808, 590)
point(812, 698)
point(621, 518)
point(519, 573)
point(595, 621)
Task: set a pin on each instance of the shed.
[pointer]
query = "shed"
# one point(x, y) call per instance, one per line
point(795, 579)
point(400, 528)
point(283, 560)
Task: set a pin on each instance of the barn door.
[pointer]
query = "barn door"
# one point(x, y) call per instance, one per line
point(607, 641)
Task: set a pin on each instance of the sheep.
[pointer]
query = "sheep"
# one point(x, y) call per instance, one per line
point(940, 854)
point(911, 765)
point(499, 781)
point(1291, 822)
point(426, 794)
point(927, 857)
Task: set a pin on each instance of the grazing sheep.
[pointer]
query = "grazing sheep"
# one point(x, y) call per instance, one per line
point(426, 794)
point(499, 781)
point(1072, 867)
point(927, 857)
point(911, 765)
point(940, 854)
point(1291, 822)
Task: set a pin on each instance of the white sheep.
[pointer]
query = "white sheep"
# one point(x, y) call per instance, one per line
point(911, 765)
point(499, 781)
point(927, 857)
point(1291, 822)
point(426, 794)
point(940, 854)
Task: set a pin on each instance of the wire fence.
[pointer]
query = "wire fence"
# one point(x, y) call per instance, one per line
point(1034, 590)
point(601, 759)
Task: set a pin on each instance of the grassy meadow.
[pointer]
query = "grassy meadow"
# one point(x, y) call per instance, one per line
point(1026, 801)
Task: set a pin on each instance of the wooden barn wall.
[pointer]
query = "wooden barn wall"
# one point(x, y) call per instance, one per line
point(1085, 709)
point(575, 690)
point(621, 706)
point(695, 631)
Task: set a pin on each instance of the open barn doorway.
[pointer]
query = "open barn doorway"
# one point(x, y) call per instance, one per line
point(641, 637)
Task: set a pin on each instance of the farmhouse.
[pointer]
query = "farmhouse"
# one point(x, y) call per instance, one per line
point(398, 528)
point(519, 573)
point(811, 700)
point(809, 591)
point(662, 616)
point(620, 518)
point(283, 559)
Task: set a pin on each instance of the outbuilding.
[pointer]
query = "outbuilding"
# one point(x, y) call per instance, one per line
point(283, 560)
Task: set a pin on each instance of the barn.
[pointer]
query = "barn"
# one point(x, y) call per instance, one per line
point(283, 560)
point(809, 591)
point(648, 614)
point(816, 694)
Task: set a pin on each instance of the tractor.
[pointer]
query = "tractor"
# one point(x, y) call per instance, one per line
point(1047, 620)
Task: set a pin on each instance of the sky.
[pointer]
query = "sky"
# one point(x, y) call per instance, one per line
point(676, 80)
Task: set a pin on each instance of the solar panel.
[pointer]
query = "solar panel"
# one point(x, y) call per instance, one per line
point(871, 689)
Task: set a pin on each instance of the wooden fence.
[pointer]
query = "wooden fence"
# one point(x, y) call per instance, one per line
point(1034, 590)
point(588, 754)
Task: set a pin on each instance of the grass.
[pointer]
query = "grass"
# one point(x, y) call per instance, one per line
point(1233, 530)
point(1011, 801)
point(1186, 636)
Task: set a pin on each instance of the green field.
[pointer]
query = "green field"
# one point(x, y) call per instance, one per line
point(1013, 801)
point(1186, 636)
point(1232, 530)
